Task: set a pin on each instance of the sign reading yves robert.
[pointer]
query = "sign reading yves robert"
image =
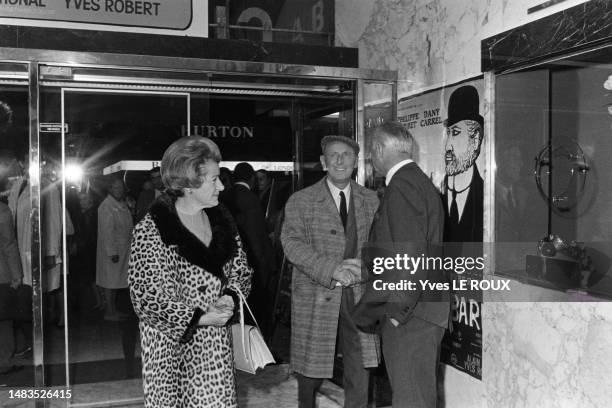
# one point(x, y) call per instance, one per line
point(167, 14)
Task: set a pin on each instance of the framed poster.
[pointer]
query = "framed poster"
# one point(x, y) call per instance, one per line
point(448, 127)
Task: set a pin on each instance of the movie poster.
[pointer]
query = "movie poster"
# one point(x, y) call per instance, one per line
point(447, 124)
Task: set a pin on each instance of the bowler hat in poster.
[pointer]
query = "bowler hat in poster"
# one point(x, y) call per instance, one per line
point(463, 104)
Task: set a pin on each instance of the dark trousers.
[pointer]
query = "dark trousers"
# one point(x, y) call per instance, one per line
point(412, 352)
point(23, 328)
point(129, 337)
point(307, 390)
point(24, 334)
point(261, 302)
point(355, 377)
point(7, 344)
point(129, 331)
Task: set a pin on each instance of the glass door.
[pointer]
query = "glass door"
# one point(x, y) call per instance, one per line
point(99, 134)
point(96, 148)
point(19, 246)
point(74, 131)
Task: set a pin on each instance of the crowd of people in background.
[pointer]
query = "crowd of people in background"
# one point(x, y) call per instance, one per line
point(18, 230)
point(99, 222)
point(172, 264)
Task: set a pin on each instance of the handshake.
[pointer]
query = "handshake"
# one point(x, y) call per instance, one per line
point(348, 273)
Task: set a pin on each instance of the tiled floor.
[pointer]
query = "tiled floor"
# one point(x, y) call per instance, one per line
point(271, 387)
point(95, 346)
point(275, 387)
point(98, 372)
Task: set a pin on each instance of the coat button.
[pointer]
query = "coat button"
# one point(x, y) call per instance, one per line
point(333, 232)
point(327, 299)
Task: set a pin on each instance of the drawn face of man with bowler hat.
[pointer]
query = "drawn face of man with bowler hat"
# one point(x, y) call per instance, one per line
point(463, 130)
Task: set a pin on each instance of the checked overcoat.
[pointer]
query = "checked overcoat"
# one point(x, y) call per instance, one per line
point(314, 242)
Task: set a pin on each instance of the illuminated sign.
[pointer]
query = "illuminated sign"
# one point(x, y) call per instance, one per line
point(146, 165)
point(52, 127)
point(214, 132)
point(175, 15)
point(125, 165)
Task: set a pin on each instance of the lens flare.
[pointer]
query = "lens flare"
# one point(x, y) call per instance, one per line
point(73, 173)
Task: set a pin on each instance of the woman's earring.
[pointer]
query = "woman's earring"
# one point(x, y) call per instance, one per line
point(189, 190)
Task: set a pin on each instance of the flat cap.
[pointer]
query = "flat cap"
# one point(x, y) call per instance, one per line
point(339, 139)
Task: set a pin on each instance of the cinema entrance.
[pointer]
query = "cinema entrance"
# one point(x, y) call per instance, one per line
point(72, 122)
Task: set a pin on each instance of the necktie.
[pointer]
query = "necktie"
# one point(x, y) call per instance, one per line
point(343, 209)
point(454, 210)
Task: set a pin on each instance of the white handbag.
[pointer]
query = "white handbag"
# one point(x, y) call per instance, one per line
point(250, 349)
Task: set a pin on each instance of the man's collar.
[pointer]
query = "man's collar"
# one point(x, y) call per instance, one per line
point(242, 183)
point(116, 202)
point(335, 190)
point(394, 170)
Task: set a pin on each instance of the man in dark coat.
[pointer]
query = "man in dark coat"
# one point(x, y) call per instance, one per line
point(151, 190)
point(10, 278)
point(408, 222)
point(243, 203)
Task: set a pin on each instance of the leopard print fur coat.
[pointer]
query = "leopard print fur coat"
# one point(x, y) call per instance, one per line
point(173, 278)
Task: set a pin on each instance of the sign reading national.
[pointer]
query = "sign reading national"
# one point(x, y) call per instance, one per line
point(165, 14)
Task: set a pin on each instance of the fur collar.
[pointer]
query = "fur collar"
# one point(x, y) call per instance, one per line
point(222, 246)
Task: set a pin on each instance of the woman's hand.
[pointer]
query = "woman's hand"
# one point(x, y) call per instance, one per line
point(219, 313)
point(225, 302)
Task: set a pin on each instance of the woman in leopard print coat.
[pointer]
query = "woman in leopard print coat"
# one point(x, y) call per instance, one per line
point(181, 276)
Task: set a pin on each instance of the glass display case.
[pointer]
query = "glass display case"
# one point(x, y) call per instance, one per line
point(553, 206)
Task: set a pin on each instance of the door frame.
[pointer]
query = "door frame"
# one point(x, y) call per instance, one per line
point(37, 76)
point(64, 91)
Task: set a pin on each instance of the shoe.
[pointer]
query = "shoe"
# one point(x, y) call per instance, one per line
point(23, 352)
point(11, 370)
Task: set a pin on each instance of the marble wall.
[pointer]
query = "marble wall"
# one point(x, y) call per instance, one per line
point(504, 15)
point(572, 28)
point(429, 42)
point(534, 354)
point(548, 355)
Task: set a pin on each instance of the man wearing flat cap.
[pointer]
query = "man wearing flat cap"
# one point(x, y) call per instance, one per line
point(464, 192)
point(324, 229)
